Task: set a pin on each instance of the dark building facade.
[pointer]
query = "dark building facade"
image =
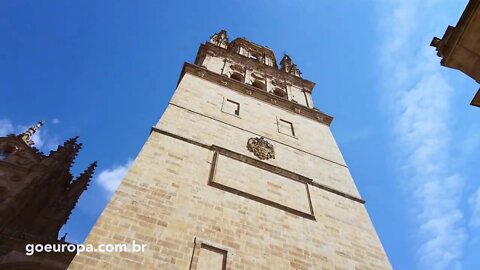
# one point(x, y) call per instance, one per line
point(37, 195)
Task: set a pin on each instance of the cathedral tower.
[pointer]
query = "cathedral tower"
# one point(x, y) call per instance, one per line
point(241, 172)
point(37, 195)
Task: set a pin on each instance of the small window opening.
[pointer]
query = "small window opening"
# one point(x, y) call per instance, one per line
point(280, 92)
point(258, 84)
point(267, 61)
point(237, 76)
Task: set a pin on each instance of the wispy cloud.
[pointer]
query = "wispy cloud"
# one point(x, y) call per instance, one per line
point(109, 179)
point(6, 127)
point(419, 110)
point(474, 202)
point(353, 135)
point(43, 140)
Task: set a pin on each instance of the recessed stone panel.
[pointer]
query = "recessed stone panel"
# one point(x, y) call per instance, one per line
point(211, 258)
point(261, 185)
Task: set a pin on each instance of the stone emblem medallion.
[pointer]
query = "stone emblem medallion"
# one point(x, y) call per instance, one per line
point(261, 148)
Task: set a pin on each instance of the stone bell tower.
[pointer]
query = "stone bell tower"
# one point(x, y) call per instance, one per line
point(241, 172)
point(37, 195)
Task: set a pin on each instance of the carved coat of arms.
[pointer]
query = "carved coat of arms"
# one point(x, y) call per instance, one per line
point(261, 148)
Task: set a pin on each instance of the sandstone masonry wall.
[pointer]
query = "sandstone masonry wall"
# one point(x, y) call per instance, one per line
point(188, 194)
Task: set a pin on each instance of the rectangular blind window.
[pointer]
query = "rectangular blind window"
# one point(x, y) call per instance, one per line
point(286, 127)
point(231, 107)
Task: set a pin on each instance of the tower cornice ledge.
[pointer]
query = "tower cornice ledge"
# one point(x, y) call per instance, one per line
point(459, 47)
point(256, 93)
point(271, 70)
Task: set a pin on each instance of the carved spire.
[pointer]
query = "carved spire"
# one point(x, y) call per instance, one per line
point(67, 152)
point(220, 39)
point(27, 135)
point(288, 66)
point(83, 179)
point(76, 188)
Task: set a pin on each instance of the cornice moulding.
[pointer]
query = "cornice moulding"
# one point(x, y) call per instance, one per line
point(256, 93)
point(271, 71)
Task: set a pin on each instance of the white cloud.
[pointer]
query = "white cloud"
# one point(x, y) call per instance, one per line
point(419, 110)
point(55, 121)
point(109, 179)
point(6, 127)
point(474, 202)
point(469, 144)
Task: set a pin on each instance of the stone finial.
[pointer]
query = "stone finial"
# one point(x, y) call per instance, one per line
point(288, 66)
point(27, 135)
point(220, 39)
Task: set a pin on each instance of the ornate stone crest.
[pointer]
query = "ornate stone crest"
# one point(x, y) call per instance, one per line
point(261, 148)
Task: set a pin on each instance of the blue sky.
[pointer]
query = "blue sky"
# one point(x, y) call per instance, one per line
point(105, 70)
